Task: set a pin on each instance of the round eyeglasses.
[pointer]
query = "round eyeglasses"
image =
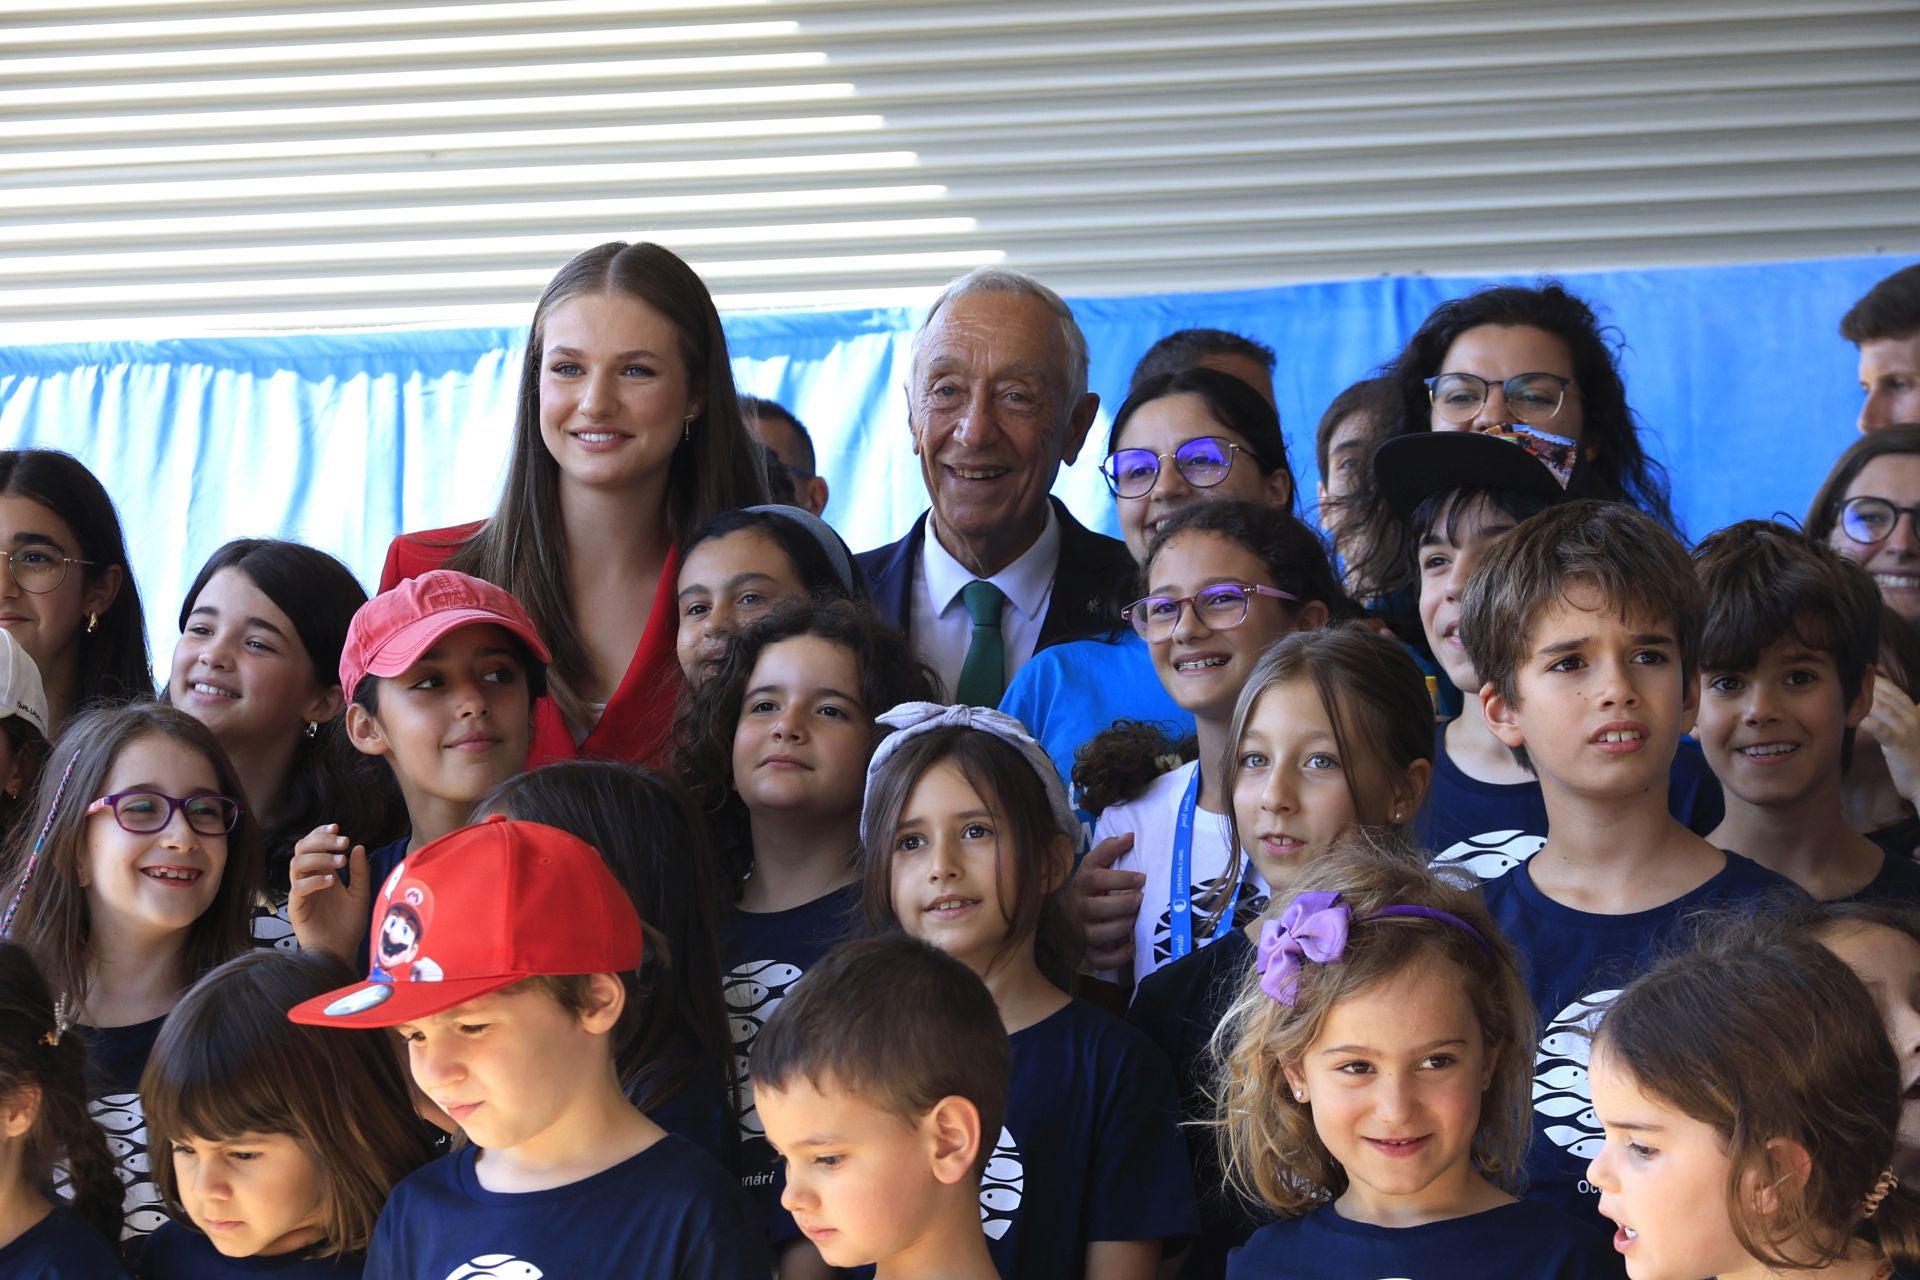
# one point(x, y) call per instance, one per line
point(144, 812)
point(1530, 397)
point(1868, 520)
point(1202, 462)
point(38, 570)
point(1220, 606)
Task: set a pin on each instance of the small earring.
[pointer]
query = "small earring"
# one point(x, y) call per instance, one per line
point(313, 729)
point(686, 427)
point(93, 623)
point(1299, 1095)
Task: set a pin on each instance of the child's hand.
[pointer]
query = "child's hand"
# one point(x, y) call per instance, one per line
point(1107, 902)
point(1894, 723)
point(327, 915)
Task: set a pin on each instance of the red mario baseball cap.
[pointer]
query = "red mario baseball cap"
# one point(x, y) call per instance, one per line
point(475, 912)
point(390, 632)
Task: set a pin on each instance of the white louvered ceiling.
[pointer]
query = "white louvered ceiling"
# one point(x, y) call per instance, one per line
point(172, 167)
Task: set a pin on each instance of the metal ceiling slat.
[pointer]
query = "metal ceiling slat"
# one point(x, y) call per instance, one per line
point(258, 163)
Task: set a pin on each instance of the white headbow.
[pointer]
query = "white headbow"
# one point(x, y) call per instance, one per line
point(911, 719)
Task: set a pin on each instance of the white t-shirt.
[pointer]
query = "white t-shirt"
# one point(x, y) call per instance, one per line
point(1152, 817)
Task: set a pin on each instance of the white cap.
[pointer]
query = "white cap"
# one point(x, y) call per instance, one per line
point(21, 693)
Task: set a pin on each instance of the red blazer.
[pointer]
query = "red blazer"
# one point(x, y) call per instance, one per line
point(634, 726)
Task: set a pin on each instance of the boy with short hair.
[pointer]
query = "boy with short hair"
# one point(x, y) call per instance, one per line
point(1457, 494)
point(498, 959)
point(883, 1082)
point(1786, 677)
point(443, 672)
point(1584, 623)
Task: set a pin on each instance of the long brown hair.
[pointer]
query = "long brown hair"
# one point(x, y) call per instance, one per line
point(673, 1033)
point(62, 1131)
point(1029, 833)
point(523, 546)
point(1375, 699)
point(1268, 1144)
point(228, 1063)
point(53, 922)
point(1762, 1033)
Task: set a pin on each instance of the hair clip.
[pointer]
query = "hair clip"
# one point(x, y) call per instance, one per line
point(62, 1019)
point(1313, 927)
point(39, 843)
point(1882, 1188)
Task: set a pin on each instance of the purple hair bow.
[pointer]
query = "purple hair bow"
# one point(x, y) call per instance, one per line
point(1313, 927)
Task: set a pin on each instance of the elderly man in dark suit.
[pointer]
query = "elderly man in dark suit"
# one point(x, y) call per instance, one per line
point(997, 400)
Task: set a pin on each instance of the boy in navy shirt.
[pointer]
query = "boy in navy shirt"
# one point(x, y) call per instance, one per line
point(882, 1082)
point(443, 671)
point(1585, 623)
point(1786, 677)
point(508, 996)
point(1457, 494)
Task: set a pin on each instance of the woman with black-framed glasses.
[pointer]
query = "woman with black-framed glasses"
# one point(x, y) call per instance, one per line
point(1865, 509)
point(66, 591)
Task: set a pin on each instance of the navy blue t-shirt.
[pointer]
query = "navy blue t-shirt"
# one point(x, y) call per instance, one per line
point(174, 1252)
point(1091, 1148)
point(1575, 962)
point(1178, 1006)
point(765, 953)
point(1523, 1241)
point(60, 1247)
point(116, 1057)
point(1489, 828)
point(669, 1213)
point(1902, 839)
point(1896, 885)
point(702, 1113)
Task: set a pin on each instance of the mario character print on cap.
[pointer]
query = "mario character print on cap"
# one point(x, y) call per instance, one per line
point(403, 930)
point(473, 913)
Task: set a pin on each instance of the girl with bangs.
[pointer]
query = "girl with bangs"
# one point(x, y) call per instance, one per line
point(138, 874)
point(1374, 1087)
point(968, 840)
point(275, 1145)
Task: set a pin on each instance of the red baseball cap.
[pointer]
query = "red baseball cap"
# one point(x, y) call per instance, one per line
point(478, 910)
point(390, 632)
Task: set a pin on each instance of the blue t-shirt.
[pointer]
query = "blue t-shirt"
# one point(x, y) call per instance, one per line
point(1896, 885)
point(1090, 1149)
point(702, 1113)
point(60, 1247)
point(1523, 1241)
point(1068, 693)
point(765, 953)
point(669, 1213)
point(1489, 828)
point(116, 1057)
point(174, 1252)
point(1178, 1007)
point(1575, 962)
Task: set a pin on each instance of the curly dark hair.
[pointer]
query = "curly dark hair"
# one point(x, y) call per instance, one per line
point(703, 724)
point(1615, 463)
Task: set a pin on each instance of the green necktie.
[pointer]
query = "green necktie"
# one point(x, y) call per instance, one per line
point(983, 678)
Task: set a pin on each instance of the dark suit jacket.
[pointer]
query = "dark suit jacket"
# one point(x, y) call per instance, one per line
point(1094, 580)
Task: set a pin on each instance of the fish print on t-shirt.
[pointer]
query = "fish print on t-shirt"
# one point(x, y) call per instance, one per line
point(1247, 908)
point(753, 991)
point(496, 1266)
point(124, 1123)
point(1562, 1091)
point(1002, 1185)
point(1492, 855)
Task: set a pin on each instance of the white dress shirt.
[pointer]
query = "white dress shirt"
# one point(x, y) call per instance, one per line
point(942, 628)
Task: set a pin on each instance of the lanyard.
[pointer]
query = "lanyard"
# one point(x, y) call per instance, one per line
point(1180, 892)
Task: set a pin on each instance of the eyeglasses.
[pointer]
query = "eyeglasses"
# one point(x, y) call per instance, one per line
point(1870, 520)
point(144, 812)
point(39, 571)
point(1530, 397)
point(1202, 462)
point(1219, 606)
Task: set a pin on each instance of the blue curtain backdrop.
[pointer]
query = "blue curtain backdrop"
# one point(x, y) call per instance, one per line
point(343, 440)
